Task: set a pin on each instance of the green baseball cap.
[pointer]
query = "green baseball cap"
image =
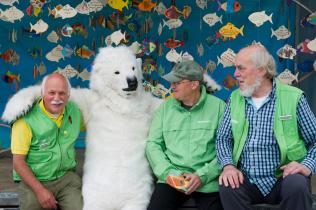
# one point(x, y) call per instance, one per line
point(189, 70)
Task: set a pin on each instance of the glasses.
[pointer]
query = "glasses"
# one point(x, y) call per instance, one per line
point(178, 83)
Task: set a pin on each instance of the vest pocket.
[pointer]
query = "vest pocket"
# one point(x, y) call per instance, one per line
point(296, 151)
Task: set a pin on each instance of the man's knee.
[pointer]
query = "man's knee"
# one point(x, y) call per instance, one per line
point(296, 184)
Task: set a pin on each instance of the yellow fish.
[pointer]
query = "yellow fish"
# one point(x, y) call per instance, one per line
point(229, 31)
point(118, 4)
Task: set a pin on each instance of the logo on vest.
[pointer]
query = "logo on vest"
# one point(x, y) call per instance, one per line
point(286, 117)
point(44, 144)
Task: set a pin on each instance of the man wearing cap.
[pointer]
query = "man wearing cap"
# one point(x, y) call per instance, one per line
point(181, 143)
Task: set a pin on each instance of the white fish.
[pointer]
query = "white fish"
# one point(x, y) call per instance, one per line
point(286, 52)
point(11, 14)
point(95, 6)
point(160, 29)
point(66, 12)
point(108, 40)
point(227, 58)
point(83, 8)
point(187, 57)
point(286, 77)
point(172, 23)
point(212, 18)
point(68, 71)
point(312, 45)
point(55, 54)
point(84, 75)
point(117, 36)
point(281, 33)
point(39, 27)
point(8, 2)
point(258, 18)
point(160, 8)
point(135, 47)
point(174, 56)
point(200, 49)
point(201, 3)
point(53, 37)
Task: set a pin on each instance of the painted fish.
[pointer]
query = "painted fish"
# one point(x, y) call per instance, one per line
point(281, 33)
point(84, 52)
point(230, 31)
point(146, 5)
point(230, 6)
point(174, 13)
point(172, 43)
point(286, 52)
point(8, 2)
point(68, 71)
point(118, 4)
point(229, 82)
point(95, 5)
point(10, 56)
point(302, 47)
point(67, 30)
point(160, 8)
point(259, 18)
point(200, 49)
point(210, 66)
point(187, 57)
point(10, 77)
point(172, 23)
point(13, 36)
point(83, 8)
point(312, 45)
point(63, 11)
point(118, 36)
point(201, 4)
point(174, 56)
point(286, 77)
point(84, 75)
point(55, 54)
point(212, 18)
point(39, 27)
point(227, 58)
point(12, 14)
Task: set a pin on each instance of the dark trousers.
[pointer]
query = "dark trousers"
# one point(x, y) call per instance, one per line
point(168, 198)
point(291, 193)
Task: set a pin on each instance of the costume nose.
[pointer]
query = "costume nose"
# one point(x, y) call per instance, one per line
point(132, 84)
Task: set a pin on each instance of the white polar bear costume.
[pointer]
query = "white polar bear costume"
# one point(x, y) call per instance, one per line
point(117, 114)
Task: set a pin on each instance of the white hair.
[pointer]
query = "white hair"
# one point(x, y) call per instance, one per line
point(45, 80)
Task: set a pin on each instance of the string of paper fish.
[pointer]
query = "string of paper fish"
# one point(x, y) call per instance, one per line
point(86, 8)
point(84, 75)
point(83, 52)
point(281, 33)
point(59, 52)
point(286, 52)
point(201, 4)
point(174, 13)
point(145, 5)
point(172, 23)
point(286, 77)
point(259, 18)
point(227, 58)
point(230, 6)
point(10, 56)
point(12, 14)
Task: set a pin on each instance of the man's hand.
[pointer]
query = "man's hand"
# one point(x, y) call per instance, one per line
point(295, 168)
point(46, 199)
point(194, 182)
point(231, 176)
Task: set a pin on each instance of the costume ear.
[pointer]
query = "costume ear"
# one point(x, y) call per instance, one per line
point(139, 63)
point(139, 69)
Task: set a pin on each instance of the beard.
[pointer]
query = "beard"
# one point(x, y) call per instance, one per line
point(249, 90)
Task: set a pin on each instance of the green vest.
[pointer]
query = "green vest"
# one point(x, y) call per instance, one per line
point(292, 147)
point(52, 151)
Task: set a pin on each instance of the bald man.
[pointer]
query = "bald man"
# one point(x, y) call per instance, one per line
point(42, 144)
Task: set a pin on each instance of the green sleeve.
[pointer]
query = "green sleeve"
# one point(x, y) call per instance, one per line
point(155, 148)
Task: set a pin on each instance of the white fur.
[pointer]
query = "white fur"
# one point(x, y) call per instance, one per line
point(116, 173)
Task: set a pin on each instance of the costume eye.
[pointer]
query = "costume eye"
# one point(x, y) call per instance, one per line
point(116, 72)
point(133, 68)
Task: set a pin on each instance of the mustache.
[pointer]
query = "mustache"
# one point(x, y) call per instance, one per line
point(57, 102)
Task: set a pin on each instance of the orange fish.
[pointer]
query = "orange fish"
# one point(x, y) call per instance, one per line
point(229, 82)
point(9, 77)
point(146, 5)
point(230, 6)
point(172, 43)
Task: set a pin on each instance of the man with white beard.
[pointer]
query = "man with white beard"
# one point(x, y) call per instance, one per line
point(266, 143)
point(42, 144)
